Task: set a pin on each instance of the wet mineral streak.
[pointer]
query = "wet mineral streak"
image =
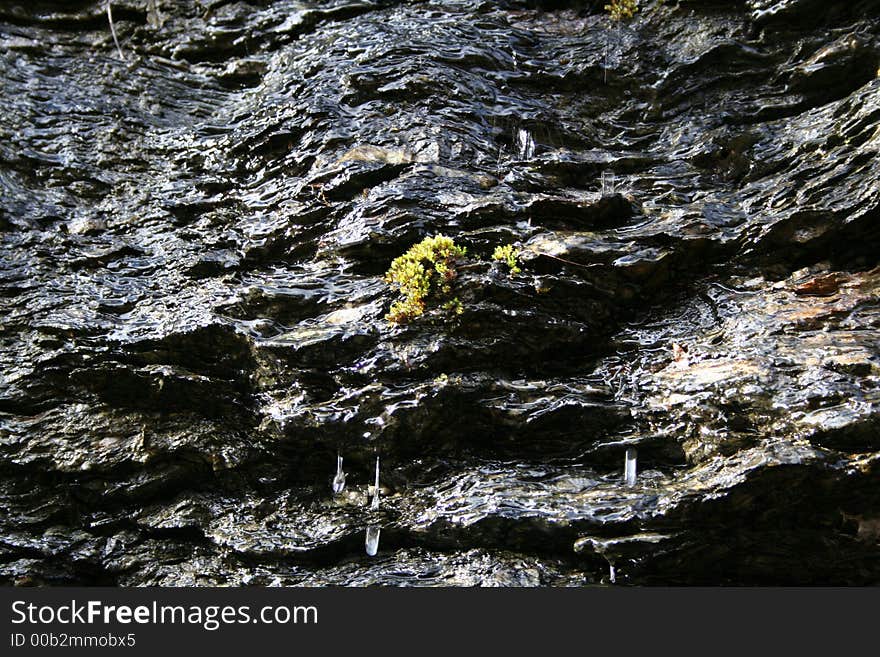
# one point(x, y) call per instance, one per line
point(192, 244)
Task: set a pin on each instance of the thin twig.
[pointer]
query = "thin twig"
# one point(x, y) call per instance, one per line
point(113, 30)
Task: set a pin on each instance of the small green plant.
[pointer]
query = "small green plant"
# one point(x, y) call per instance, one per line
point(509, 255)
point(622, 9)
point(425, 273)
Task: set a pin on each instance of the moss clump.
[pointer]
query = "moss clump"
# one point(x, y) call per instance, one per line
point(425, 273)
point(622, 9)
point(509, 255)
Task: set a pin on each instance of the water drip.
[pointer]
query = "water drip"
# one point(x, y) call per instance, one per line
point(609, 181)
point(375, 503)
point(372, 542)
point(525, 144)
point(629, 468)
point(339, 479)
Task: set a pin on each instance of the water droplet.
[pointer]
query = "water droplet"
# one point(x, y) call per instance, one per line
point(339, 479)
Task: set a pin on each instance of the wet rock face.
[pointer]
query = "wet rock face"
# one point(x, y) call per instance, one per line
point(192, 244)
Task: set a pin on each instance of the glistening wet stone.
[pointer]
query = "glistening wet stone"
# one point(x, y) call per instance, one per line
point(192, 245)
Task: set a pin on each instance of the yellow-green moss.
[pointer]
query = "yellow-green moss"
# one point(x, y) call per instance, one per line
point(622, 9)
point(509, 255)
point(423, 274)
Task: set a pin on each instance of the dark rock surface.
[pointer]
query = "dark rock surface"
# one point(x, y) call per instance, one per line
point(192, 244)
